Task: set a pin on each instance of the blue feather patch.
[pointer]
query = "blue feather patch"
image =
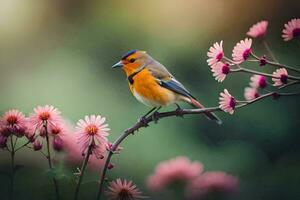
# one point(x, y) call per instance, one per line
point(128, 54)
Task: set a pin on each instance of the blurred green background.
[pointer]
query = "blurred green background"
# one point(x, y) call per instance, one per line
point(59, 52)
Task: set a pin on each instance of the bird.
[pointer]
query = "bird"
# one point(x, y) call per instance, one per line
point(153, 85)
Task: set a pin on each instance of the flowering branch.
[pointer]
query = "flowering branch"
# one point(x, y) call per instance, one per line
point(156, 116)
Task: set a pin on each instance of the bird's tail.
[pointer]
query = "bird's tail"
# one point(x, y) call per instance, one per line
point(209, 115)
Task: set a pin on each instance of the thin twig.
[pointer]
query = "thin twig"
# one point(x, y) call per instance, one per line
point(276, 64)
point(49, 159)
point(156, 116)
point(22, 146)
point(269, 51)
point(82, 170)
point(265, 74)
point(12, 153)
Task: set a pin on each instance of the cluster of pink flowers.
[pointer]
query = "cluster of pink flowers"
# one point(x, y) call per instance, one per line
point(46, 121)
point(191, 175)
point(221, 65)
point(13, 122)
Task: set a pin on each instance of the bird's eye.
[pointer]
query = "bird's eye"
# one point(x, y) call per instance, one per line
point(132, 60)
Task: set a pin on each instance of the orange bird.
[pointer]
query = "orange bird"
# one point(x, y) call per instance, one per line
point(153, 85)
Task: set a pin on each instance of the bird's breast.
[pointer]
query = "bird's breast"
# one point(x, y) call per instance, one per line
point(148, 91)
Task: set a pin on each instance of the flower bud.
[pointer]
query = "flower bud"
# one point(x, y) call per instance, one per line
point(110, 166)
point(57, 144)
point(263, 61)
point(37, 145)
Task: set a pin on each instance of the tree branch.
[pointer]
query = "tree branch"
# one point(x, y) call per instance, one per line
point(156, 116)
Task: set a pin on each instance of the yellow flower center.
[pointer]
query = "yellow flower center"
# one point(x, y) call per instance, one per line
point(11, 120)
point(91, 129)
point(44, 116)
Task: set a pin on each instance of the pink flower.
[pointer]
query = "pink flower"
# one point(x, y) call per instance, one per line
point(215, 53)
point(291, 30)
point(242, 51)
point(258, 30)
point(74, 154)
point(13, 122)
point(93, 131)
point(123, 190)
point(258, 81)
point(46, 114)
point(227, 102)
point(180, 169)
point(280, 77)
point(220, 70)
point(251, 93)
point(210, 183)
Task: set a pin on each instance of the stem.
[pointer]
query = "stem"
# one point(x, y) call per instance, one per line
point(82, 170)
point(12, 154)
point(265, 74)
point(49, 159)
point(282, 65)
point(17, 149)
point(277, 64)
point(269, 50)
point(289, 84)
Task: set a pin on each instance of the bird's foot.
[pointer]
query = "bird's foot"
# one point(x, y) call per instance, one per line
point(143, 121)
point(178, 111)
point(155, 117)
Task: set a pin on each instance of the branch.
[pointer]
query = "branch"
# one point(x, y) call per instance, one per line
point(276, 64)
point(156, 116)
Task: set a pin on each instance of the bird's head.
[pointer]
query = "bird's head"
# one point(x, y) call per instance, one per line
point(133, 60)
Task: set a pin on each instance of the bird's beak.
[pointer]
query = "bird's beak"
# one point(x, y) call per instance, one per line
point(118, 64)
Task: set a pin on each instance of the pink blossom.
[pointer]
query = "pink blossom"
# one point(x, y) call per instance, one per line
point(258, 30)
point(215, 53)
point(280, 77)
point(123, 190)
point(179, 169)
point(73, 151)
point(251, 93)
point(220, 70)
point(242, 51)
point(227, 102)
point(13, 122)
point(291, 30)
point(210, 183)
point(93, 131)
point(258, 81)
point(46, 114)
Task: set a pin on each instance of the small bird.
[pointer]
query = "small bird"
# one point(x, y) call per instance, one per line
point(153, 85)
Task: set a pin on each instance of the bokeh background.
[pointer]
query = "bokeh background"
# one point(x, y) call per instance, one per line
point(59, 52)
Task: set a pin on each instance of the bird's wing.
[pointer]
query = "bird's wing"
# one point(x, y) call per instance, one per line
point(176, 87)
point(167, 80)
